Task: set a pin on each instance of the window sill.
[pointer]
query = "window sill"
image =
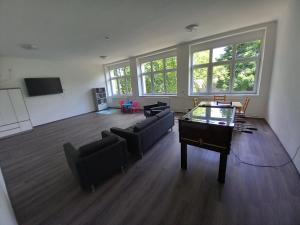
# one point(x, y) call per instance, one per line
point(120, 96)
point(151, 96)
point(231, 94)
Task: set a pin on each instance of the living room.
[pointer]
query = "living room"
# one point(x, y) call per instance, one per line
point(171, 52)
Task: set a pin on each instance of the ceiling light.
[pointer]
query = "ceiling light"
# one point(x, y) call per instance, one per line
point(28, 46)
point(191, 27)
point(103, 56)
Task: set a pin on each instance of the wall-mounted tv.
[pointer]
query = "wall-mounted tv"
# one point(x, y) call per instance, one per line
point(43, 86)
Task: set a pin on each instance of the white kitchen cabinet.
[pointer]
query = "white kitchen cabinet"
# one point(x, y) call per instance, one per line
point(14, 117)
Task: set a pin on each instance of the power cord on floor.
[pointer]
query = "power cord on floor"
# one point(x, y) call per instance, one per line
point(268, 166)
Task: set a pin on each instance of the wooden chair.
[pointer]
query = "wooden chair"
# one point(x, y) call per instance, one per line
point(242, 112)
point(195, 102)
point(241, 124)
point(219, 98)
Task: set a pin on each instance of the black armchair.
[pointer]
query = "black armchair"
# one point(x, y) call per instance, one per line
point(151, 110)
point(97, 161)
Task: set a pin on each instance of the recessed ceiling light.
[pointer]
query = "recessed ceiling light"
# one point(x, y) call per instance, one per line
point(28, 46)
point(103, 56)
point(191, 27)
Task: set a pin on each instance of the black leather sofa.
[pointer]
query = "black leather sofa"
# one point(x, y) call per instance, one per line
point(97, 161)
point(151, 110)
point(145, 133)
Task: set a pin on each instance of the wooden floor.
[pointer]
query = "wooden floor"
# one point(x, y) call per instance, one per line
point(154, 190)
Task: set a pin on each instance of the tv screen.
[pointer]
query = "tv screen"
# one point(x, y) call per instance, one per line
point(43, 86)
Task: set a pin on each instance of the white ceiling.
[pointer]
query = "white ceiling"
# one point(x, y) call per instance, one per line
point(76, 29)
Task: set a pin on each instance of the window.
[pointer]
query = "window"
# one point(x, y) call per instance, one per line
point(159, 75)
point(119, 79)
point(227, 69)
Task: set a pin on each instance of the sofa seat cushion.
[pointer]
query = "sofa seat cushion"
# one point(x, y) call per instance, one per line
point(96, 146)
point(143, 124)
point(163, 113)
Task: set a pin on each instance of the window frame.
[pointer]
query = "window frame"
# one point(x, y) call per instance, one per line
point(150, 58)
point(223, 42)
point(110, 78)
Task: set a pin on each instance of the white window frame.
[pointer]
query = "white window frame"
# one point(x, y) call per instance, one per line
point(233, 40)
point(109, 78)
point(150, 58)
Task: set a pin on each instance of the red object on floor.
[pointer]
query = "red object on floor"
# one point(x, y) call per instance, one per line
point(121, 105)
point(135, 106)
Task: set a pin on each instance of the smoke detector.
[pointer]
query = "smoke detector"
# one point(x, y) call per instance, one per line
point(191, 27)
point(28, 46)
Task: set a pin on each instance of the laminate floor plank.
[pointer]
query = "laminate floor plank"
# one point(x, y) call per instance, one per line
point(154, 190)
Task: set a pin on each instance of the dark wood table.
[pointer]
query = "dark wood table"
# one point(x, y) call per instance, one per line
point(209, 128)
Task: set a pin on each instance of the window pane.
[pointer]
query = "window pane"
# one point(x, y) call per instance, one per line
point(248, 49)
point(201, 57)
point(127, 71)
point(114, 84)
point(123, 86)
point(158, 65)
point(222, 54)
point(146, 67)
point(244, 76)
point(171, 63)
point(146, 84)
point(171, 82)
point(113, 73)
point(129, 88)
point(200, 80)
point(158, 82)
point(221, 78)
point(120, 71)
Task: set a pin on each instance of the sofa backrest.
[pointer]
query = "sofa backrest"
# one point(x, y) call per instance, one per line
point(144, 123)
point(96, 146)
point(163, 113)
point(155, 131)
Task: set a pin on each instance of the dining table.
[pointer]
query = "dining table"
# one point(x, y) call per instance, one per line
point(235, 104)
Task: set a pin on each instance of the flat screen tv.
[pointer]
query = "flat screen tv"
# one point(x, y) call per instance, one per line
point(43, 86)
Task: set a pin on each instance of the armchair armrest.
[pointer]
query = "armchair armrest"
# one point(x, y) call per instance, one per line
point(147, 107)
point(72, 156)
point(160, 108)
point(106, 133)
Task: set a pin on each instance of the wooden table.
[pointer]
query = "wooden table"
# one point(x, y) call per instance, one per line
point(237, 105)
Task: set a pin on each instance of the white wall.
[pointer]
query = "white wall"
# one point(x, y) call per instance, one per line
point(182, 102)
point(77, 80)
point(284, 104)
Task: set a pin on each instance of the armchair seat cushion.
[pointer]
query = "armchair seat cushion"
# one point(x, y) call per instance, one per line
point(96, 146)
point(143, 124)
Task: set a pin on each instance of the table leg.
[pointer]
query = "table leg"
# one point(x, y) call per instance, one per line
point(222, 168)
point(183, 156)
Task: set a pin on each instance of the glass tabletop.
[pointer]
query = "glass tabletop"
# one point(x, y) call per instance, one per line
point(212, 115)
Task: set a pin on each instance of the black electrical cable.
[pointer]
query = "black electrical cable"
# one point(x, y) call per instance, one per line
point(267, 166)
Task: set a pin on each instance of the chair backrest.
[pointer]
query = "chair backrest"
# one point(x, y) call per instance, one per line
point(121, 102)
point(196, 102)
point(220, 98)
point(245, 104)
